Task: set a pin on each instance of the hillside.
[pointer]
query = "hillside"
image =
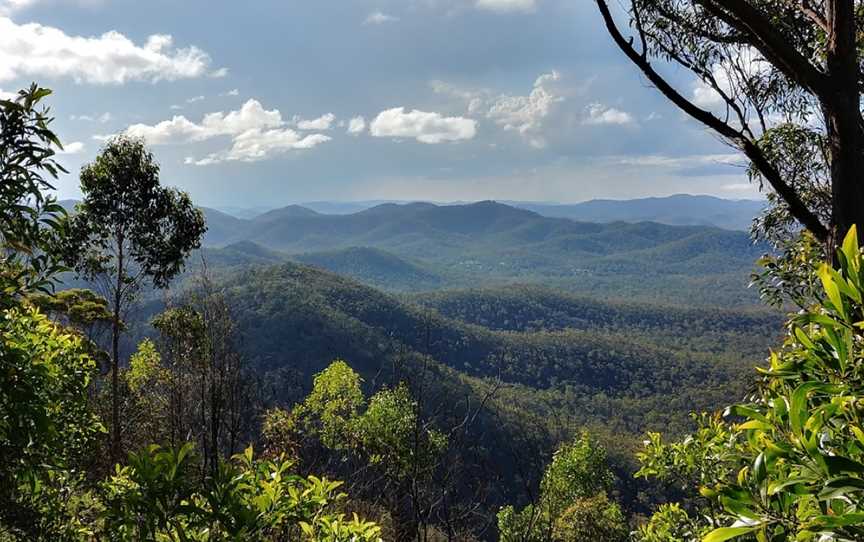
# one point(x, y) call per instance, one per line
point(375, 267)
point(680, 209)
point(300, 318)
point(490, 243)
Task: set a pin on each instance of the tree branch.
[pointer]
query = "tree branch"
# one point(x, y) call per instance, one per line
point(735, 137)
point(742, 16)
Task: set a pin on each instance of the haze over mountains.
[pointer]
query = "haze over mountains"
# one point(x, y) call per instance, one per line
point(679, 209)
point(422, 246)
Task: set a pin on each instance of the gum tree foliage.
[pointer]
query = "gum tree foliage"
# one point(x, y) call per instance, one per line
point(392, 453)
point(787, 464)
point(783, 78)
point(129, 230)
point(30, 220)
point(573, 502)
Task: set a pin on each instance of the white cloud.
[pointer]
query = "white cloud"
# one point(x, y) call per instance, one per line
point(523, 114)
point(324, 122)
point(251, 116)
point(506, 6)
point(33, 50)
point(425, 127)
point(740, 187)
point(680, 162)
point(194, 99)
point(256, 145)
point(74, 147)
point(255, 132)
point(729, 75)
point(8, 6)
point(600, 114)
point(232, 92)
point(357, 125)
point(218, 74)
point(380, 18)
point(176, 107)
point(103, 118)
point(7, 95)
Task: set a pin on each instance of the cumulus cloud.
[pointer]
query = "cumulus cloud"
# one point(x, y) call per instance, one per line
point(506, 6)
point(378, 17)
point(256, 145)
point(356, 125)
point(597, 114)
point(523, 114)
point(425, 127)
point(74, 147)
point(324, 122)
point(256, 134)
point(38, 51)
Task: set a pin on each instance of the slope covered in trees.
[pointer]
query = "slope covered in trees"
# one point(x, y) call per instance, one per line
point(489, 243)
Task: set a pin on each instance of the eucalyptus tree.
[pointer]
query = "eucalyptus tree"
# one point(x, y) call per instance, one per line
point(779, 80)
point(127, 232)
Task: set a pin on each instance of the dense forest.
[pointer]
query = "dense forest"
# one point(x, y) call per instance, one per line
point(426, 372)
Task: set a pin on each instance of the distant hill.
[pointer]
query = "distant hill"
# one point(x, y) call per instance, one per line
point(680, 210)
point(491, 243)
point(375, 267)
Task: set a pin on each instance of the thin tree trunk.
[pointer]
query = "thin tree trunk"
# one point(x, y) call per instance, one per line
point(842, 114)
point(115, 358)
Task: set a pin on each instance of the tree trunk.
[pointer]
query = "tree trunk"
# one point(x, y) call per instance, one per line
point(842, 114)
point(115, 358)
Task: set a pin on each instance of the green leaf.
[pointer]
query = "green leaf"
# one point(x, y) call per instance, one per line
point(727, 533)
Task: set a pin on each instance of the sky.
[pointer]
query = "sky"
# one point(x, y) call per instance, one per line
point(267, 103)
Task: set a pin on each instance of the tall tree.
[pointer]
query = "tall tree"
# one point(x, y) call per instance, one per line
point(784, 79)
point(129, 231)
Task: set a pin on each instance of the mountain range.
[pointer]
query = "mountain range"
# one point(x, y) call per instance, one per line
point(676, 210)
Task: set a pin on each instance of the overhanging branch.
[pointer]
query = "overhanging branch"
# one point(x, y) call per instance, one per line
point(735, 137)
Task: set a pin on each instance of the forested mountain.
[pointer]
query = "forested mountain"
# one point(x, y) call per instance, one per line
point(676, 210)
point(680, 209)
point(487, 243)
point(299, 318)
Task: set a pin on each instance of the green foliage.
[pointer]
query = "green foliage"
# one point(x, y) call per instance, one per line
point(155, 498)
point(670, 523)
point(332, 407)
point(30, 221)
point(78, 307)
point(790, 463)
point(790, 274)
point(388, 431)
point(145, 368)
point(573, 503)
point(591, 518)
point(126, 210)
point(46, 425)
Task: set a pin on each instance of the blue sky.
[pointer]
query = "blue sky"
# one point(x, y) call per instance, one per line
point(268, 102)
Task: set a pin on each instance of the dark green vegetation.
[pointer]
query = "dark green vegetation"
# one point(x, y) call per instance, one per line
point(507, 412)
point(489, 243)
